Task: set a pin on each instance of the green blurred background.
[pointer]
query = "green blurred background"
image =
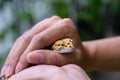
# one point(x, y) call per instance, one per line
point(95, 19)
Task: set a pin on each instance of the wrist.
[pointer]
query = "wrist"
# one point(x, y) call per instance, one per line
point(91, 50)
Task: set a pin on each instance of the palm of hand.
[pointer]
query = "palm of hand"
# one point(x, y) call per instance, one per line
point(50, 72)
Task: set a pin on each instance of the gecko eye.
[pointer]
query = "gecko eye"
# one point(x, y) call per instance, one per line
point(58, 44)
point(62, 44)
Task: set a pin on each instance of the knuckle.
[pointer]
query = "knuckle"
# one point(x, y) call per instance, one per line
point(55, 17)
point(62, 25)
point(68, 26)
point(69, 23)
point(25, 38)
point(67, 20)
point(36, 38)
point(39, 39)
point(66, 23)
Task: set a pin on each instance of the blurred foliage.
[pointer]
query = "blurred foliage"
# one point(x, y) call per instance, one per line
point(61, 7)
point(90, 19)
point(3, 2)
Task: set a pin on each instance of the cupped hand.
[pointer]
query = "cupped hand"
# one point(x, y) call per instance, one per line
point(50, 72)
point(31, 46)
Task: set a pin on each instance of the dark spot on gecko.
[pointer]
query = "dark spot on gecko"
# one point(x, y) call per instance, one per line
point(68, 43)
point(65, 45)
point(70, 40)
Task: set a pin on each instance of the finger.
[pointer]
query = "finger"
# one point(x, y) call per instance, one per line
point(46, 38)
point(44, 25)
point(18, 48)
point(28, 74)
point(49, 57)
point(52, 21)
point(16, 52)
point(11, 61)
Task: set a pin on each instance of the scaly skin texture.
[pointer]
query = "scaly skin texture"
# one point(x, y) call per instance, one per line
point(65, 45)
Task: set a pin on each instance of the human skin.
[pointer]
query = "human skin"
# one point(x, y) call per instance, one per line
point(42, 35)
point(105, 54)
point(50, 72)
point(97, 55)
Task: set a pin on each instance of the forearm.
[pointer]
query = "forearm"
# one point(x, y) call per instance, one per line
point(104, 53)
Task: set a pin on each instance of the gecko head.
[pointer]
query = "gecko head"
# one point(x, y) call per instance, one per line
point(63, 46)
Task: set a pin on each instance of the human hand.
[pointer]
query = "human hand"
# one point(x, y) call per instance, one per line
point(50, 72)
point(42, 35)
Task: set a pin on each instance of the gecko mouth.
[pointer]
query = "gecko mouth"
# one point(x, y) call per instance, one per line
point(64, 50)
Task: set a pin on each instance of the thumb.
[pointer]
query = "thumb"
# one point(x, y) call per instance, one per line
point(48, 57)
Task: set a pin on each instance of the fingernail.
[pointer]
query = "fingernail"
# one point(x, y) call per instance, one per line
point(28, 57)
point(3, 78)
point(8, 71)
point(35, 58)
point(18, 68)
point(3, 71)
